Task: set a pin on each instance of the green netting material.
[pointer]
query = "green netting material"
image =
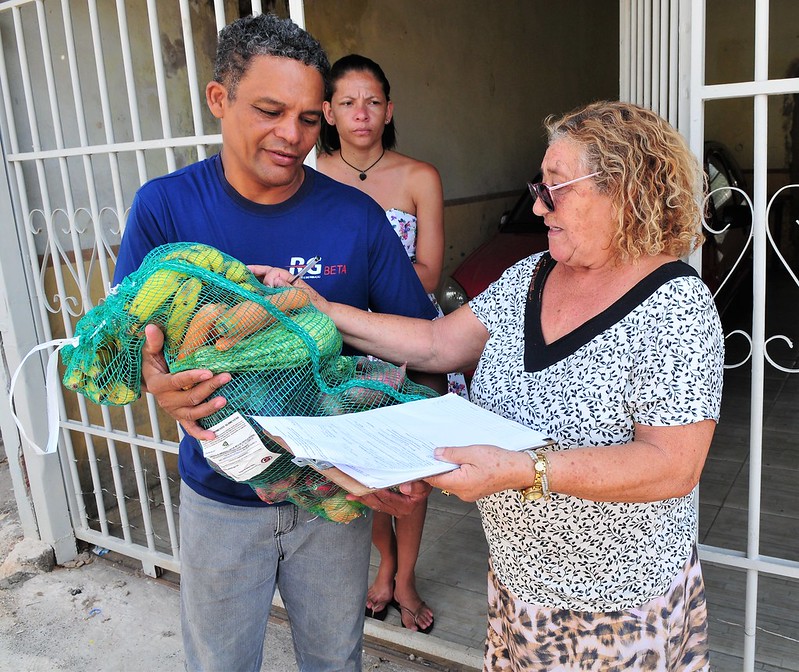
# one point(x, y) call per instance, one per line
point(284, 356)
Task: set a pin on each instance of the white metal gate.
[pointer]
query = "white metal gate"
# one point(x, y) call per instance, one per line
point(98, 96)
point(663, 66)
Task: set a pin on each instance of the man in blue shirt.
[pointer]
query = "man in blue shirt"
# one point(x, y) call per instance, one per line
point(256, 201)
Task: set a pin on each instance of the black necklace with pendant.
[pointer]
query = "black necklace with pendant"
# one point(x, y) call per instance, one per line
point(362, 173)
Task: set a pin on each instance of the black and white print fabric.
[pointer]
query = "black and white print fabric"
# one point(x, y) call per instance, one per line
point(653, 358)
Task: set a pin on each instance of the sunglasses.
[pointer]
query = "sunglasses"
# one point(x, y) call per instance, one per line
point(544, 191)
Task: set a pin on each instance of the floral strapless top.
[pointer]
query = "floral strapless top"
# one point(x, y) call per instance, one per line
point(404, 225)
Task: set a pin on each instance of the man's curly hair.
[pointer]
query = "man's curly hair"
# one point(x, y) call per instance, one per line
point(263, 35)
point(646, 168)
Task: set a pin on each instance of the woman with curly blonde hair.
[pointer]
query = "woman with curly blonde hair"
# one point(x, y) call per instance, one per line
point(612, 346)
point(646, 168)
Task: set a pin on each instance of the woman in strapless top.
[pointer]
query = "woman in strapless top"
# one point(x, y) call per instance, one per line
point(358, 138)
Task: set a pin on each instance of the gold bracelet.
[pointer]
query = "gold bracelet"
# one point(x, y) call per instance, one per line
point(540, 486)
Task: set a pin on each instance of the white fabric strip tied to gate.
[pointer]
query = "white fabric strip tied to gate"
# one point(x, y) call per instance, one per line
point(51, 385)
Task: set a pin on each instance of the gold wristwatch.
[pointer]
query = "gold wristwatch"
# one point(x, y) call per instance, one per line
point(540, 486)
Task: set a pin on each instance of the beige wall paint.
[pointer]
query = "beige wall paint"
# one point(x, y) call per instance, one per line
point(472, 82)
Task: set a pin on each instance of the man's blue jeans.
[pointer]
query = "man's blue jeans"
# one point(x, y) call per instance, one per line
point(231, 559)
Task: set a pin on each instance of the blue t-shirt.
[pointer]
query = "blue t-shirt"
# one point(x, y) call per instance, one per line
point(363, 261)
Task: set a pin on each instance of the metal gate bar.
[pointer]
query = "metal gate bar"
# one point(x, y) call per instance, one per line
point(752, 562)
point(649, 58)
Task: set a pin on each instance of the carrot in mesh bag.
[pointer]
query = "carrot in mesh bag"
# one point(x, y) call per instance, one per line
point(284, 356)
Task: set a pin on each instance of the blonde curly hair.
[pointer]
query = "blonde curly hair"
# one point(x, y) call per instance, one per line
point(646, 168)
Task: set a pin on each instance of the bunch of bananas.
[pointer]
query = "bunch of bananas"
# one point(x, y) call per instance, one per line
point(198, 254)
point(153, 293)
point(209, 257)
point(99, 376)
point(184, 304)
point(165, 283)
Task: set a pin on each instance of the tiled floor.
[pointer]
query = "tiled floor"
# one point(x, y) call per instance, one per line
point(452, 564)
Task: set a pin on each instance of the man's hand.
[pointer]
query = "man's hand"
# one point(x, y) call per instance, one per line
point(395, 503)
point(183, 394)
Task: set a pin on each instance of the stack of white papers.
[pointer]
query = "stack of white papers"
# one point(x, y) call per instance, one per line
point(387, 446)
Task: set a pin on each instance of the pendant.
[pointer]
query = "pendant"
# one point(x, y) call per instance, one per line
point(362, 176)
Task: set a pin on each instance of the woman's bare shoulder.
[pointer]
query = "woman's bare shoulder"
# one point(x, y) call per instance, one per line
point(414, 165)
point(419, 176)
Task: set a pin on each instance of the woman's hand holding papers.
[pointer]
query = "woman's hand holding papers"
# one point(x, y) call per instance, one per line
point(483, 470)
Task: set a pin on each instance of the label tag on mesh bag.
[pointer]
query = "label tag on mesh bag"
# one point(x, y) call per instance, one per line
point(237, 449)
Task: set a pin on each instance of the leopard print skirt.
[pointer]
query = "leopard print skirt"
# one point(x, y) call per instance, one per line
point(666, 634)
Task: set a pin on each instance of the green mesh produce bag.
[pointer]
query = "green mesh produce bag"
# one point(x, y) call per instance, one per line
point(283, 354)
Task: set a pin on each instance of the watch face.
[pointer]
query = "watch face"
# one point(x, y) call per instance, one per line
point(530, 495)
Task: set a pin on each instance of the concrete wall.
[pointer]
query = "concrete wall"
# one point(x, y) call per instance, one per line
point(472, 82)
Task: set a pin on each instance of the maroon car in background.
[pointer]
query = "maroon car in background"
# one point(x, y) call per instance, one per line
point(522, 233)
